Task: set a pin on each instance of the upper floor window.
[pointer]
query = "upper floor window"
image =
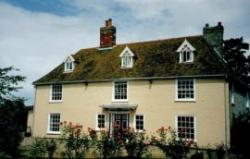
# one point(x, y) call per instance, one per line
point(120, 91)
point(69, 64)
point(54, 123)
point(186, 52)
point(56, 92)
point(127, 58)
point(185, 89)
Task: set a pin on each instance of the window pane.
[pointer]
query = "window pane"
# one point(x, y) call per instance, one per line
point(56, 92)
point(54, 125)
point(101, 120)
point(185, 89)
point(185, 127)
point(139, 123)
point(120, 90)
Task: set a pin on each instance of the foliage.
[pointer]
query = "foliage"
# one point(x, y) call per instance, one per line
point(12, 113)
point(8, 83)
point(240, 135)
point(135, 143)
point(12, 122)
point(50, 147)
point(38, 149)
point(238, 64)
point(167, 141)
point(76, 142)
point(106, 145)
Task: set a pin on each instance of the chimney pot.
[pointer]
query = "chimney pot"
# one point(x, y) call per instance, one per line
point(206, 25)
point(106, 23)
point(219, 24)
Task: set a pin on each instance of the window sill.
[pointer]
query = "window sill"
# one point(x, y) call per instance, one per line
point(69, 71)
point(55, 101)
point(185, 100)
point(53, 132)
point(119, 101)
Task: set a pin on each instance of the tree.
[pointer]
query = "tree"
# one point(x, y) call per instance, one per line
point(12, 112)
point(240, 135)
point(237, 62)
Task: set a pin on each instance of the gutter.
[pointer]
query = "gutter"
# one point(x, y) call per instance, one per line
point(129, 79)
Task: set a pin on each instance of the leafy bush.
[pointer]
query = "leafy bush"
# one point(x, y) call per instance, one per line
point(50, 147)
point(38, 148)
point(171, 146)
point(12, 123)
point(106, 145)
point(76, 143)
point(135, 143)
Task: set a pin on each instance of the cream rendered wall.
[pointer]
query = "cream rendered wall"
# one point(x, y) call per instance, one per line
point(155, 101)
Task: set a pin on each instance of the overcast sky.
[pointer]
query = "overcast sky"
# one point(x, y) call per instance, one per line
point(36, 35)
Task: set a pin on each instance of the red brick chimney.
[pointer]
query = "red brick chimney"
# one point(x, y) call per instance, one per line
point(107, 34)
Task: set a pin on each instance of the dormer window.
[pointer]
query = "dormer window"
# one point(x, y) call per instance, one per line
point(127, 58)
point(69, 64)
point(186, 52)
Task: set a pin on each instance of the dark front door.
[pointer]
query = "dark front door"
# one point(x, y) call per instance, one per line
point(120, 123)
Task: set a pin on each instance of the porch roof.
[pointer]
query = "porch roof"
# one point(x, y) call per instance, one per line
point(119, 106)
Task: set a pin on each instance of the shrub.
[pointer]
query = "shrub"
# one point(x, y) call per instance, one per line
point(51, 148)
point(171, 146)
point(106, 145)
point(135, 143)
point(37, 149)
point(76, 143)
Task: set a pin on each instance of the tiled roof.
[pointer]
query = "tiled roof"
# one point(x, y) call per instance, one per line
point(152, 59)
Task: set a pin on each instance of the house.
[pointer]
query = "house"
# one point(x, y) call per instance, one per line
point(178, 82)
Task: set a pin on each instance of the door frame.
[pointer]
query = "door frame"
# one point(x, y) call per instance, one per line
point(111, 119)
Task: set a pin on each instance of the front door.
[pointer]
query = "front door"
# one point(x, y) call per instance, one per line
point(120, 123)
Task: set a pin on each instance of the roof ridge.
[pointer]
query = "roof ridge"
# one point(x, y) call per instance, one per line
point(147, 41)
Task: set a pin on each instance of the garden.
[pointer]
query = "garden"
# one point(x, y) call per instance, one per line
point(74, 142)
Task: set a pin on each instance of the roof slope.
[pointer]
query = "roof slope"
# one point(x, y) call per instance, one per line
point(152, 59)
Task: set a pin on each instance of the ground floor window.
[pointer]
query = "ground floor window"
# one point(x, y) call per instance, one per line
point(100, 121)
point(54, 123)
point(186, 127)
point(139, 122)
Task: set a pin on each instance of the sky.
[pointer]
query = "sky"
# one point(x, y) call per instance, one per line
point(37, 35)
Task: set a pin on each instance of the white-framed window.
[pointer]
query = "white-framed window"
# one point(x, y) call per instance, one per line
point(185, 89)
point(139, 122)
point(186, 56)
point(127, 58)
point(186, 52)
point(54, 123)
point(100, 121)
point(120, 91)
point(127, 61)
point(69, 64)
point(186, 127)
point(56, 93)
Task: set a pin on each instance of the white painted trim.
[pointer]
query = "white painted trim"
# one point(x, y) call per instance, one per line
point(126, 49)
point(185, 42)
point(48, 125)
point(122, 56)
point(112, 118)
point(50, 95)
point(137, 130)
point(195, 125)
point(113, 93)
point(69, 59)
point(176, 91)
